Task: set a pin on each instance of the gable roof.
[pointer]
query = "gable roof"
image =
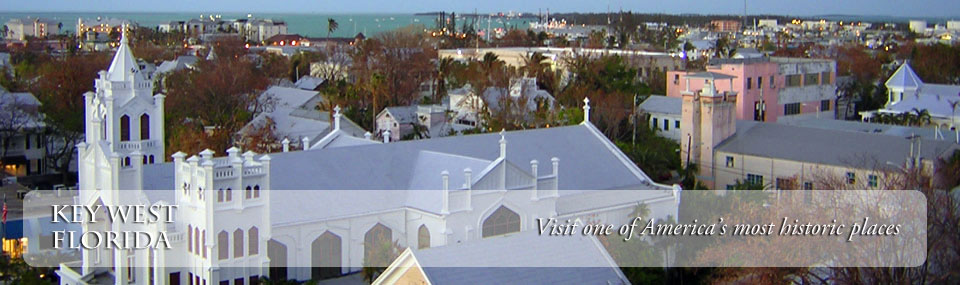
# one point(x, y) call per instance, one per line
point(905, 78)
point(309, 82)
point(829, 147)
point(520, 258)
point(587, 162)
point(662, 104)
point(402, 114)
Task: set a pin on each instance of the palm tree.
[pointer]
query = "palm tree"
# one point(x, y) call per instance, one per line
point(332, 26)
point(922, 117)
point(490, 61)
point(444, 66)
point(535, 64)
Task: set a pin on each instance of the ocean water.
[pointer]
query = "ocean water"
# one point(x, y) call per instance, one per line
point(311, 25)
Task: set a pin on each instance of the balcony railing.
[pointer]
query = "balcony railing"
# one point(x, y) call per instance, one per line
point(136, 145)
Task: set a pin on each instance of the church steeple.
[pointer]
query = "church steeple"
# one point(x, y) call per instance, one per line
point(124, 120)
point(124, 67)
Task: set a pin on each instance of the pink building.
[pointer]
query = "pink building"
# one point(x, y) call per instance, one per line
point(769, 89)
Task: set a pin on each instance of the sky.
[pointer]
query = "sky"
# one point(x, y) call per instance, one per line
point(901, 8)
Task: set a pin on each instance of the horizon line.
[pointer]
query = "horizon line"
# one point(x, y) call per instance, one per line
point(484, 13)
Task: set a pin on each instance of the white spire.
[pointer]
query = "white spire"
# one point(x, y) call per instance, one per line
point(503, 143)
point(124, 67)
point(586, 110)
point(336, 117)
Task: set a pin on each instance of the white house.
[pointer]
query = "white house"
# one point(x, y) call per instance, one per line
point(469, 109)
point(664, 115)
point(400, 121)
point(316, 213)
point(293, 111)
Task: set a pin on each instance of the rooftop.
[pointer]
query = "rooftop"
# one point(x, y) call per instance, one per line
point(827, 146)
point(532, 259)
point(662, 104)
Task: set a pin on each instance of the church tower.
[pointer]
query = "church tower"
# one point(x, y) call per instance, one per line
point(708, 118)
point(124, 125)
point(224, 215)
point(123, 131)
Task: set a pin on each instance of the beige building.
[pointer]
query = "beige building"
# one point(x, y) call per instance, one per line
point(20, 29)
point(647, 63)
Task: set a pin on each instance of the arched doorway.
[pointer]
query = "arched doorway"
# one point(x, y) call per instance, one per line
point(325, 256)
point(277, 252)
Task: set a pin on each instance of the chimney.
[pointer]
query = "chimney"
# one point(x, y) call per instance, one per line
point(286, 144)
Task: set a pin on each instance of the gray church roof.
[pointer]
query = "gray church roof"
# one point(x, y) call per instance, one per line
point(588, 161)
point(519, 259)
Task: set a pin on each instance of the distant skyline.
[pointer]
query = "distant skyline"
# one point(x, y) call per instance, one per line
point(895, 8)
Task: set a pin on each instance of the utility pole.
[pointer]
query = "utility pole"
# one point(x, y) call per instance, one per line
point(633, 119)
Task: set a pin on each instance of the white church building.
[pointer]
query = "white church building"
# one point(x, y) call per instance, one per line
point(907, 93)
point(314, 214)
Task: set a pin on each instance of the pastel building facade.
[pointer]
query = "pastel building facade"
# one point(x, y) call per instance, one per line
point(728, 151)
point(769, 88)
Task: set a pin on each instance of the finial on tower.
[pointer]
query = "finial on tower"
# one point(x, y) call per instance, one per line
point(586, 109)
point(124, 35)
point(503, 143)
point(336, 117)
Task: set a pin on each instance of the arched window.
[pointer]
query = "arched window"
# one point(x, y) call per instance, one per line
point(126, 161)
point(254, 240)
point(220, 195)
point(248, 193)
point(325, 256)
point(144, 159)
point(229, 194)
point(151, 159)
point(423, 237)
point(256, 191)
point(277, 252)
point(145, 127)
point(237, 243)
point(189, 238)
point(502, 221)
point(223, 245)
point(124, 128)
point(203, 243)
point(377, 239)
point(197, 247)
